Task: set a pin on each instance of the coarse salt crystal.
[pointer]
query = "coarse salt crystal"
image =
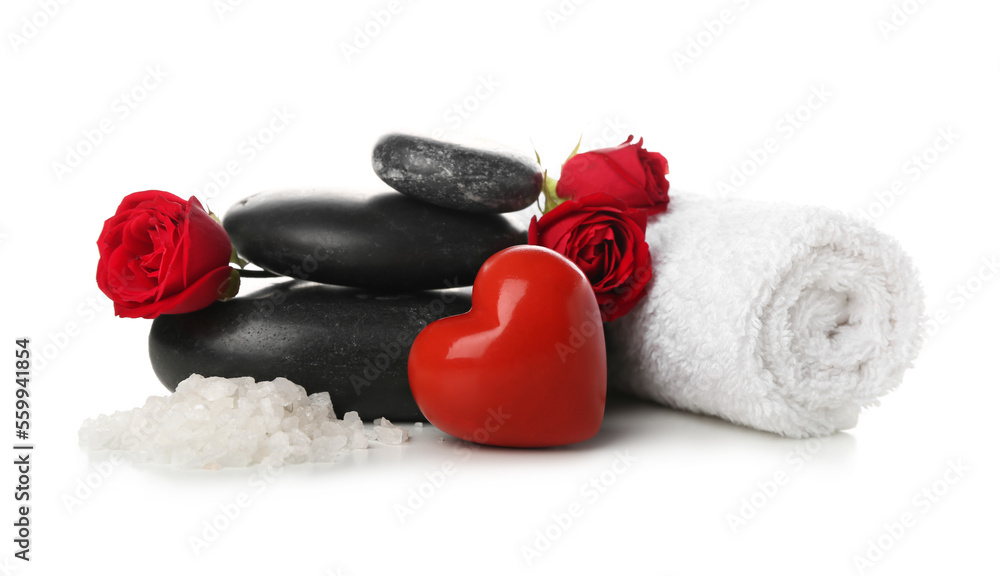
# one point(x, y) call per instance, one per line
point(218, 422)
point(388, 433)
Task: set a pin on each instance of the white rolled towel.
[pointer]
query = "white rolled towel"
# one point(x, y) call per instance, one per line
point(783, 318)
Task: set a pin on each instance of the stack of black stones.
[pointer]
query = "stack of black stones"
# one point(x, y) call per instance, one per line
point(367, 273)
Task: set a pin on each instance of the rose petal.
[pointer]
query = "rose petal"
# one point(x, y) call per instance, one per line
point(197, 296)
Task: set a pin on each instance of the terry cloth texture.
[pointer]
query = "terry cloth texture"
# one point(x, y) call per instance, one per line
point(784, 318)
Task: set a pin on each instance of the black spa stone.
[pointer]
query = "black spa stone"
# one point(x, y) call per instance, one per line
point(344, 341)
point(382, 241)
point(452, 175)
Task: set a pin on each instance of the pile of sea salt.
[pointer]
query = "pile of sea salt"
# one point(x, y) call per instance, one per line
point(219, 422)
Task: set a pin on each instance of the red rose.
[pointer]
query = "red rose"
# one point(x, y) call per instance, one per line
point(607, 240)
point(161, 254)
point(628, 172)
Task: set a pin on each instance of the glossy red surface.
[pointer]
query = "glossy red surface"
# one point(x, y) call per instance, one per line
point(526, 366)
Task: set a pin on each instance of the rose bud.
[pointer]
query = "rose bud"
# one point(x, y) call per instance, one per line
point(161, 254)
point(628, 172)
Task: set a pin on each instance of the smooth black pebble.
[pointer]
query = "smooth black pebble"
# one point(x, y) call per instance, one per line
point(382, 241)
point(452, 175)
point(344, 341)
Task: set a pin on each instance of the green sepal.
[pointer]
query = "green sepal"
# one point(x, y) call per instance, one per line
point(575, 150)
point(549, 184)
point(234, 258)
point(549, 191)
point(212, 215)
point(545, 174)
point(232, 287)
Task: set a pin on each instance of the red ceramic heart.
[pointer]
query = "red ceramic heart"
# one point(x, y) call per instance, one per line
point(526, 366)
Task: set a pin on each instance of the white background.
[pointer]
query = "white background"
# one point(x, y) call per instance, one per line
point(545, 73)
